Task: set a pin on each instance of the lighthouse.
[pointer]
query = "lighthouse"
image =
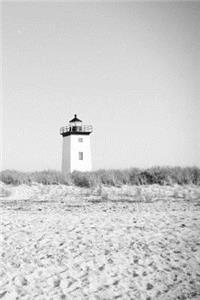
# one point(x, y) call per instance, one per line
point(76, 151)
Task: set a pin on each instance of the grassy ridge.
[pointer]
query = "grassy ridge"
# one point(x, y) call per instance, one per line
point(132, 176)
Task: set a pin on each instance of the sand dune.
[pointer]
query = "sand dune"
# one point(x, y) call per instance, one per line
point(62, 242)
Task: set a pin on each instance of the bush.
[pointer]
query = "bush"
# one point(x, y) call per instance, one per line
point(106, 177)
point(133, 175)
point(83, 179)
point(14, 177)
point(187, 175)
point(154, 175)
point(44, 177)
point(121, 177)
point(50, 177)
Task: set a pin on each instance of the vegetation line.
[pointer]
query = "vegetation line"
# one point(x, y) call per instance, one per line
point(132, 176)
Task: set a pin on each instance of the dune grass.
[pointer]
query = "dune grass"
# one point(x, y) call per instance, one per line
point(45, 177)
point(132, 176)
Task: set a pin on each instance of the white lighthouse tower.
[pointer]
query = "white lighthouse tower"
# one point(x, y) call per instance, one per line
point(76, 152)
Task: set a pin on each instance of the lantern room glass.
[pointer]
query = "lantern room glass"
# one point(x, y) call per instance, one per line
point(76, 126)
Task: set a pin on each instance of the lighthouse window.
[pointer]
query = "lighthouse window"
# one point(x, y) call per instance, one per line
point(80, 155)
point(80, 140)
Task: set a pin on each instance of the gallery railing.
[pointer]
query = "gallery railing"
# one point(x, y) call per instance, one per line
point(84, 128)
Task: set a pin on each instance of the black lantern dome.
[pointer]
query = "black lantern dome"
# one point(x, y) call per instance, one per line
point(75, 119)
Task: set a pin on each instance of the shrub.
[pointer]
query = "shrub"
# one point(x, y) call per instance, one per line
point(14, 177)
point(121, 177)
point(50, 177)
point(44, 177)
point(83, 179)
point(195, 175)
point(154, 175)
point(133, 176)
point(187, 175)
point(106, 177)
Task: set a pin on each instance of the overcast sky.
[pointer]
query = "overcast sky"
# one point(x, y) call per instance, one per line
point(129, 69)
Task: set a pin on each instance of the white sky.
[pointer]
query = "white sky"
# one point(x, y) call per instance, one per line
point(130, 69)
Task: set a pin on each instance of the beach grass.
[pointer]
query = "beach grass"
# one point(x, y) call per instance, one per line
point(110, 177)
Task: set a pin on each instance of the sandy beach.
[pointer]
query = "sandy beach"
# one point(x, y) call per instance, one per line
point(62, 242)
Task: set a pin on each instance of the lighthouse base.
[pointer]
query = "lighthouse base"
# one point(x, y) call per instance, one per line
point(76, 153)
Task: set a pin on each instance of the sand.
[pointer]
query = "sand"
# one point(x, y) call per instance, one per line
point(63, 242)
